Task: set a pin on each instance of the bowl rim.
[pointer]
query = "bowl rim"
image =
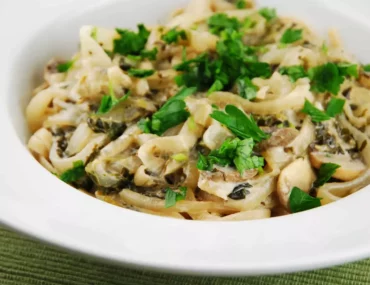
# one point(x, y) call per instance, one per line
point(303, 241)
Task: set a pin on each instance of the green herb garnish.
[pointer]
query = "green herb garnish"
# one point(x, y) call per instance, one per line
point(75, 173)
point(233, 152)
point(239, 123)
point(131, 43)
point(174, 35)
point(149, 54)
point(172, 197)
point(325, 78)
point(246, 88)
point(221, 22)
point(294, 72)
point(64, 67)
point(348, 69)
point(291, 36)
point(94, 33)
point(141, 73)
point(110, 100)
point(335, 107)
point(268, 13)
point(316, 114)
point(326, 171)
point(366, 68)
point(241, 4)
point(171, 114)
point(300, 201)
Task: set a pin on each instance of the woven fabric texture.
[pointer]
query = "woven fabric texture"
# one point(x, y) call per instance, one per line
point(25, 261)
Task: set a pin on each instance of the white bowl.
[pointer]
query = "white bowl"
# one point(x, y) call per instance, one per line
point(35, 202)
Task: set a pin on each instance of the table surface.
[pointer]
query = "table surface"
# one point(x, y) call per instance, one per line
point(26, 261)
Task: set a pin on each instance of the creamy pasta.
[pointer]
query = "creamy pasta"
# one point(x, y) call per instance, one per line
point(226, 113)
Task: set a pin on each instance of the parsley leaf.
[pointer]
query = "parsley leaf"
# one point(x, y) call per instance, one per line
point(171, 114)
point(94, 33)
point(300, 201)
point(294, 72)
point(335, 107)
point(291, 36)
point(221, 22)
point(131, 43)
point(109, 101)
point(203, 163)
point(172, 197)
point(233, 152)
point(268, 13)
point(174, 35)
point(64, 67)
point(246, 88)
point(241, 4)
point(149, 54)
point(366, 68)
point(216, 86)
point(325, 78)
point(316, 114)
point(75, 173)
point(141, 73)
point(324, 48)
point(239, 124)
point(348, 69)
point(326, 171)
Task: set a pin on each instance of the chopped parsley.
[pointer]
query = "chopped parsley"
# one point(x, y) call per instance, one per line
point(335, 107)
point(174, 35)
point(131, 43)
point(239, 123)
point(110, 100)
point(294, 72)
point(316, 114)
point(149, 54)
point(75, 173)
point(169, 115)
point(94, 33)
point(141, 73)
point(326, 171)
point(246, 88)
point(221, 22)
point(233, 152)
point(268, 13)
point(64, 67)
point(172, 197)
point(366, 68)
point(291, 36)
point(348, 69)
point(180, 157)
point(325, 78)
point(233, 60)
point(241, 4)
point(324, 48)
point(300, 201)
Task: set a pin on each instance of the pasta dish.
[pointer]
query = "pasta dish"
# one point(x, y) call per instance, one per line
point(227, 112)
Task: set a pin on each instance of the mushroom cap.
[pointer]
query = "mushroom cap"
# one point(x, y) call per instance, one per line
point(349, 168)
point(297, 174)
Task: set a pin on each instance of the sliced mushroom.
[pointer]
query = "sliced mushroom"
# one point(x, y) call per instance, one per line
point(297, 174)
point(331, 192)
point(281, 137)
point(349, 168)
point(218, 187)
point(229, 174)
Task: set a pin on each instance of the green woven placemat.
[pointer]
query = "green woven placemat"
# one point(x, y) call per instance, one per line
point(25, 261)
